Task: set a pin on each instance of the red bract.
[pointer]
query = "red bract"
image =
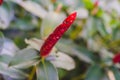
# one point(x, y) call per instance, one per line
point(116, 58)
point(56, 35)
point(96, 3)
point(1, 1)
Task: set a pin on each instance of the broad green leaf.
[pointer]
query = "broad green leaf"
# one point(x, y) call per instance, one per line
point(88, 54)
point(24, 58)
point(116, 73)
point(94, 73)
point(46, 71)
point(5, 58)
point(12, 72)
point(50, 22)
point(115, 34)
point(46, 3)
point(33, 7)
point(1, 41)
point(28, 23)
point(34, 43)
point(63, 61)
point(71, 48)
point(101, 28)
point(90, 28)
point(9, 48)
point(6, 15)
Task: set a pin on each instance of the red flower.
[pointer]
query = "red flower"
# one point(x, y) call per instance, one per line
point(56, 35)
point(96, 3)
point(1, 1)
point(116, 58)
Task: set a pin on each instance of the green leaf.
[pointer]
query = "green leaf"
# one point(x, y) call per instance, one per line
point(94, 73)
point(9, 48)
point(34, 43)
point(46, 71)
point(101, 28)
point(1, 41)
point(24, 58)
point(6, 15)
point(46, 4)
point(91, 28)
point(63, 61)
point(12, 72)
point(32, 7)
point(5, 58)
point(80, 52)
point(95, 25)
point(25, 24)
point(115, 34)
point(116, 73)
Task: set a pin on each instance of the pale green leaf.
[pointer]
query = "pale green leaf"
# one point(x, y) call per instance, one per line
point(1, 41)
point(24, 58)
point(6, 15)
point(33, 7)
point(34, 43)
point(5, 58)
point(63, 61)
point(9, 47)
point(46, 71)
point(12, 72)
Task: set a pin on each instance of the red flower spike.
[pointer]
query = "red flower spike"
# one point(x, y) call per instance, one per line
point(1, 1)
point(96, 3)
point(56, 35)
point(116, 58)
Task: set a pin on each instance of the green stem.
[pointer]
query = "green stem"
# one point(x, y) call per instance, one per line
point(32, 73)
point(43, 62)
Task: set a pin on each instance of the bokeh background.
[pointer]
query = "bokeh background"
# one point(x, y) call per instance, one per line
point(92, 41)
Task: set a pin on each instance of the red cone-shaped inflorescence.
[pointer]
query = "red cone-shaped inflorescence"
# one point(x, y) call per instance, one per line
point(116, 58)
point(1, 1)
point(56, 35)
point(96, 3)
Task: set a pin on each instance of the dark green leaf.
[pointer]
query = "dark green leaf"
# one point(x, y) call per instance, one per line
point(94, 73)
